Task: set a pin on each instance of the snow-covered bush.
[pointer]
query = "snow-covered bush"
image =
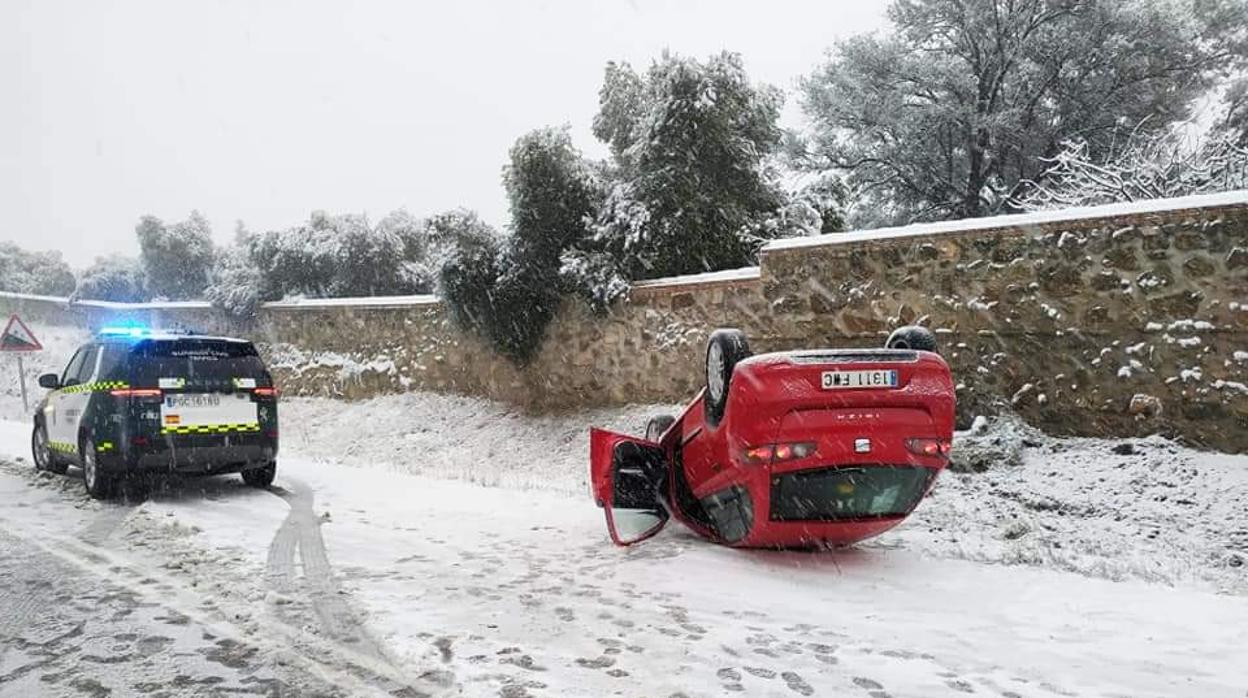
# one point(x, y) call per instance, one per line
point(238, 287)
point(412, 233)
point(466, 280)
point(447, 233)
point(116, 278)
point(177, 258)
point(1145, 165)
point(594, 276)
point(42, 273)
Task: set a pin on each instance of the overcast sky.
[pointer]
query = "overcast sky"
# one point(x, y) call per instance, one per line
point(264, 111)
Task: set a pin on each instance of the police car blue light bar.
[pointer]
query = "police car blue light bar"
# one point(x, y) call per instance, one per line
point(132, 331)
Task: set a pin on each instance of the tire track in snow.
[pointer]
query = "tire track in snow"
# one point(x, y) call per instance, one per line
point(300, 536)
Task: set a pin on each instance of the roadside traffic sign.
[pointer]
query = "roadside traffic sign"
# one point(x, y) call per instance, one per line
point(18, 337)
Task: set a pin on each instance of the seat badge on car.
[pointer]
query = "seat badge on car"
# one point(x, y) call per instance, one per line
point(862, 445)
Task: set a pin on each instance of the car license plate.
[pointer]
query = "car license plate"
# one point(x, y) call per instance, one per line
point(882, 378)
point(195, 409)
point(193, 400)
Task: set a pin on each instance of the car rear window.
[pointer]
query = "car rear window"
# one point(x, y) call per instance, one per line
point(203, 362)
point(848, 493)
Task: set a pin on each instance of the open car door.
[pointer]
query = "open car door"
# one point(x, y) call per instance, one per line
point(629, 480)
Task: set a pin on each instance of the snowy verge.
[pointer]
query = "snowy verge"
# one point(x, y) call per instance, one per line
point(455, 437)
point(1144, 509)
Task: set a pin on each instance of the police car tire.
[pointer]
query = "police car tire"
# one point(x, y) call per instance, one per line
point(99, 484)
point(732, 349)
point(912, 337)
point(260, 477)
point(51, 463)
point(658, 424)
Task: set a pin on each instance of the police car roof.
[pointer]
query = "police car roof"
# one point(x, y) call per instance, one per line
point(134, 335)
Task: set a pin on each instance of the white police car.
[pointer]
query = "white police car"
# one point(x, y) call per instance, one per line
point(138, 401)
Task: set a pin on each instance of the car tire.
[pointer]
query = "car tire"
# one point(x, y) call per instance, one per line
point(99, 484)
point(912, 337)
point(724, 350)
point(42, 455)
point(658, 424)
point(260, 477)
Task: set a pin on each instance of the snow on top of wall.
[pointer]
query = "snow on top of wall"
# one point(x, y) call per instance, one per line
point(110, 305)
point(376, 301)
point(385, 301)
point(742, 274)
point(1018, 220)
point(32, 297)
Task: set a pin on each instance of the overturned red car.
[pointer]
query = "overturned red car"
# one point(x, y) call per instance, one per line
point(787, 449)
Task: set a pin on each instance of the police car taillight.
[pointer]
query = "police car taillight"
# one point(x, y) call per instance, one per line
point(135, 392)
point(265, 392)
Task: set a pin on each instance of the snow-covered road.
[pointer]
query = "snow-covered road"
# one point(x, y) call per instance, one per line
point(365, 579)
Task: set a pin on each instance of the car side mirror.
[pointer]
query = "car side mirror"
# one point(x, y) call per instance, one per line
point(636, 509)
point(50, 381)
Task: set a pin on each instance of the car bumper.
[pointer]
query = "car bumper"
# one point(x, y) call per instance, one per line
point(193, 455)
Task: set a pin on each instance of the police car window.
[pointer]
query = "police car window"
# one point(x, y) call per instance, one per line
point(70, 376)
point(86, 371)
point(110, 360)
point(195, 359)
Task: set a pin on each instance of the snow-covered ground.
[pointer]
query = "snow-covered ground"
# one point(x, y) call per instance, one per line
point(450, 541)
point(1144, 509)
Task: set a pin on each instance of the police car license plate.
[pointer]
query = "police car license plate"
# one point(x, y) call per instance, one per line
point(195, 409)
point(836, 380)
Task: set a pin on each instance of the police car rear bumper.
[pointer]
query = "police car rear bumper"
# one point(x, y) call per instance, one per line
point(204, 455)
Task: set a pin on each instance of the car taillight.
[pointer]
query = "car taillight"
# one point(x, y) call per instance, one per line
point(135, 392)
point(265, 392)
point(929, 447)
point(772, 453)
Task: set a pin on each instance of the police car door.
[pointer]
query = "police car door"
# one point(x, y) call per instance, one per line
point(73, 402)
point(54, 415)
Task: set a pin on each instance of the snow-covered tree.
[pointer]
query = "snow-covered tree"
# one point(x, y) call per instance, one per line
point(117, 278)
point(943, 115)
point(1234, 121)
point(176, 258)
point(689, 182)
point(511, 293)
point(333, 256)
point(1145, 165)
point(414, 240)
point(40, 273)
point(451, 231)
point(238, 287)
point(816, 207)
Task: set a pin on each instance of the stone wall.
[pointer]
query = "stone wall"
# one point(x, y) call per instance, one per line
point(1116, 320)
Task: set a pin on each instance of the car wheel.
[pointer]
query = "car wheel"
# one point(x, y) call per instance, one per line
point(42, 454)
point(724, 350)
point(99, 484)
point(911, 337)
point(657, 425)
point(260, 477)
